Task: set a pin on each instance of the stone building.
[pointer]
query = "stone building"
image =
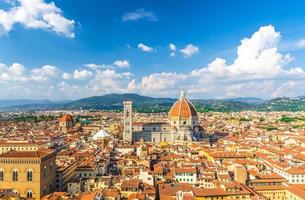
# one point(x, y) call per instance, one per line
point(31, 174)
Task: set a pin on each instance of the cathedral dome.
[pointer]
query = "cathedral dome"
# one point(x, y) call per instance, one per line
point(182, 109)
point(66, 118)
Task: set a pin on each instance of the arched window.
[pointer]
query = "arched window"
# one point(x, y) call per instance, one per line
point(15, 175)
point(44, 171)
point(15, 191)
point(29, 175)
point(29, 194)
point(1, 174)
point(51, 167)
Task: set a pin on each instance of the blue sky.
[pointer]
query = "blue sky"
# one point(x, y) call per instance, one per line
point(211, 49)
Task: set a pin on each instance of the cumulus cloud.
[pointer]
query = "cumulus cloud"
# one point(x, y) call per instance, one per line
point(132, 86)
point(162, 83)
point(121, 63)
point(145, 48)
point(66, 76)
point(36, 14)
point(259, 70)
point(82, 74)
point(109, 80)
point(189, 50)
point(44, 73)
point(140, 14)
point(115, 64)
point(257, 58)
point(47, 81)
point(15, 72)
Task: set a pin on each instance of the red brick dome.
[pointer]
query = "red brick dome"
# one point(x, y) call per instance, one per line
point(66, 118)
point(183, 108)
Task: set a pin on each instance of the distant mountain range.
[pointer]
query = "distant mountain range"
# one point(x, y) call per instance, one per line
point(150, 104)
point(25, 102)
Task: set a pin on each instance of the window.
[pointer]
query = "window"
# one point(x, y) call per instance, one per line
point(29, 175)
point(1, 175)
point(15, 175)
point(44, 171)
point(51, 167)
point(15, 191)
point(184, 122)
point(29, 194)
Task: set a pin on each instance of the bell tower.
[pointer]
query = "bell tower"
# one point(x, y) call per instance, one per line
point(127, 135)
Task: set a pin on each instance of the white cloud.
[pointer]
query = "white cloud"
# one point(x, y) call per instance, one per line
point(111, 79)
point(81, 74)
point(145, 48)
point(139, 14)
point(93, 66)
point(132, 86)
point(257, 58)
point(44, 73)
point(66, 76)
point(121, 63)
point(189, 50)
point(17, 81)
point(15, 72)
point(36, 14)
point(259, 70)
point(115, 64)
point(173, 49)
point(162, 82)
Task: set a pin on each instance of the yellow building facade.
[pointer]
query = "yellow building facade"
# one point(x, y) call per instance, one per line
point(31, 174)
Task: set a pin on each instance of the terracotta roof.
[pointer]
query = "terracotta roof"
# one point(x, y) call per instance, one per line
point(182, 109)
point(26, 154)
point(185, 170)
point(55, 196)
point(297, 191)
point(110, 193)
point(130, 184)
point(170, 190)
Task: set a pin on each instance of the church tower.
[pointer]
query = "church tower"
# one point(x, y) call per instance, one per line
point(127, 135)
